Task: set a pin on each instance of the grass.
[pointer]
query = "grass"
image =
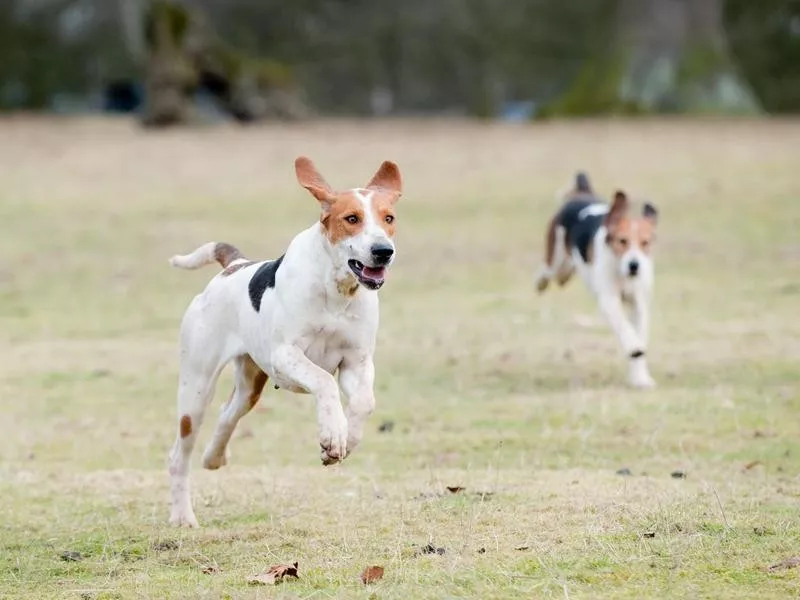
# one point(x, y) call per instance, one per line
point(517, 398)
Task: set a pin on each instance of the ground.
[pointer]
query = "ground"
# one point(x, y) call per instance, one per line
point(482, 384)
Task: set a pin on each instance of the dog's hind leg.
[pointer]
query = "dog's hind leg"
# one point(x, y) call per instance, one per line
point(554, 256)
point(249, 383)
point(197, 381)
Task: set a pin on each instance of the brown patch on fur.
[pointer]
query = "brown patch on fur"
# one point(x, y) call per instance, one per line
point(233, 268)
point(383, 209)
point(336, 221)
point(550, 243)
point(259, 381)
point(225, 254)
point(626, 229)
point(347, 287)
point(256, 378)
point(186, 426)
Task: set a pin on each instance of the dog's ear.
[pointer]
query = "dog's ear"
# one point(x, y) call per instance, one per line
point(619, 207)
point(650, 212)
point(309, 178)
point(388, 179)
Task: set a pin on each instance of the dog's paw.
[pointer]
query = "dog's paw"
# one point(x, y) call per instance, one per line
point(333, 438)
point(642, 382)
point(183, 518)
point(214, 460)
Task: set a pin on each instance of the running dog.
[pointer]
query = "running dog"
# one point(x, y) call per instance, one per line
point(296, 320)
point(611, 248)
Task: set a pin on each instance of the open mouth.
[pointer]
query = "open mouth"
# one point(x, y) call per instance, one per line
point(369, 277)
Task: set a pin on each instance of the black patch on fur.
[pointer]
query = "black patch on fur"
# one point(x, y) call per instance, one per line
point(637, 354)
point(580, 229)
point(262, 279)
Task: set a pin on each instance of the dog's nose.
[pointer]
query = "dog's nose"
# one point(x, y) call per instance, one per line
point(633, 268)
point(382, 253)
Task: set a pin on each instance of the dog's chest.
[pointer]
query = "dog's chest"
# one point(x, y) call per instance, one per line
point(328, 338)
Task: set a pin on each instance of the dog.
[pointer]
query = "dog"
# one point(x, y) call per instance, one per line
point(296, 321)
point(611, 247)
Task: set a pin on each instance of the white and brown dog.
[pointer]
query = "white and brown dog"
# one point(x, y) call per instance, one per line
point(295, 320)
point(611, 248)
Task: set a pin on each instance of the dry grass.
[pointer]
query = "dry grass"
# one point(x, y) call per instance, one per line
point(488, 386)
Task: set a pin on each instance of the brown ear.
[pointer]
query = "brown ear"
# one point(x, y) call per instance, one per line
point(387, 178)
point(618, 207)
point(309, 178)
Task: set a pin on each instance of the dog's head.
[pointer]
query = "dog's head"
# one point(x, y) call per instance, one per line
point(631, 235)
point(359, 223)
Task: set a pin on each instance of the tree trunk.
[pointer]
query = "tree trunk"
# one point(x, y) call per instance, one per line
point(667, 56)
point(675, 58)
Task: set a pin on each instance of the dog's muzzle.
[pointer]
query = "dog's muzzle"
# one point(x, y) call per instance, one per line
point(633, 268)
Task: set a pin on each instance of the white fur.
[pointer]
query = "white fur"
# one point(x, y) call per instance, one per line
point(607, 278)
point(308, 326)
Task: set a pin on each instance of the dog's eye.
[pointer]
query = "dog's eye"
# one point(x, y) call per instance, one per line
point(645, 243)
point(352, 219)
point(389, 218)
point(623, 242)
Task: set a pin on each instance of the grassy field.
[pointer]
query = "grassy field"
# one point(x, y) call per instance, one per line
point(481, 384)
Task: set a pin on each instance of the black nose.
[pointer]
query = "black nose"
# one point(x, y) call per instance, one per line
point(633, 268)
point(382, 253)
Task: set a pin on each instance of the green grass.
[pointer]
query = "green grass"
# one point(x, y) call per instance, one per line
point(519, 399)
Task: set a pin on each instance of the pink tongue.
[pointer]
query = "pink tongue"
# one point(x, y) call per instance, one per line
point(373, 272)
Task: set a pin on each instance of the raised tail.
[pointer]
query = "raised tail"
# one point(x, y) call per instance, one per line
point(579, 185)
point(206, 254)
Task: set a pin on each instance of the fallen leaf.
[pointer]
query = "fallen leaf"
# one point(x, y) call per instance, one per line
point(71, 556)
point(752, 464)
point(522, 547)
point(274, 575)
point(454, 489)
point(649, 534)
point(372, 574)
point(788, 563)
point(210, 569)
point(678, 475)
point(626, 471)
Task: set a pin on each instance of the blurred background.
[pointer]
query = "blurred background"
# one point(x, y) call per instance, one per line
point(175, 62)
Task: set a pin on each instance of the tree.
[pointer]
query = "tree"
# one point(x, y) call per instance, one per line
point(665, 56)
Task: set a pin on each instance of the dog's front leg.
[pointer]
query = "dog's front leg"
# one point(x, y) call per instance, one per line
point(632, 344)
point(357, 378)
point(292, 365)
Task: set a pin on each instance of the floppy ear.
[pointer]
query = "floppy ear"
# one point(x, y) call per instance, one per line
point(618, 207)
point(650, 212)
point(387, 178)
point(309, 178)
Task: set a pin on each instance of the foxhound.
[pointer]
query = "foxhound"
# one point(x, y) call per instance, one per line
point(296, 320)
point(611, 248)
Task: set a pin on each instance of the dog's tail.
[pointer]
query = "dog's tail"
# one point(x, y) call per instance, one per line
point(206, 254)
point(579, 185)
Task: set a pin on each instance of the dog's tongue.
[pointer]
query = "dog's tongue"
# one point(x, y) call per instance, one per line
point(373, 272)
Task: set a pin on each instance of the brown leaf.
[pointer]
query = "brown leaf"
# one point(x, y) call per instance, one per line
point(752, 464)
point(788, 563)
point(274, 575)
point(372, 574)
point(210, 569)
point(522, 547)
point(454, 489)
